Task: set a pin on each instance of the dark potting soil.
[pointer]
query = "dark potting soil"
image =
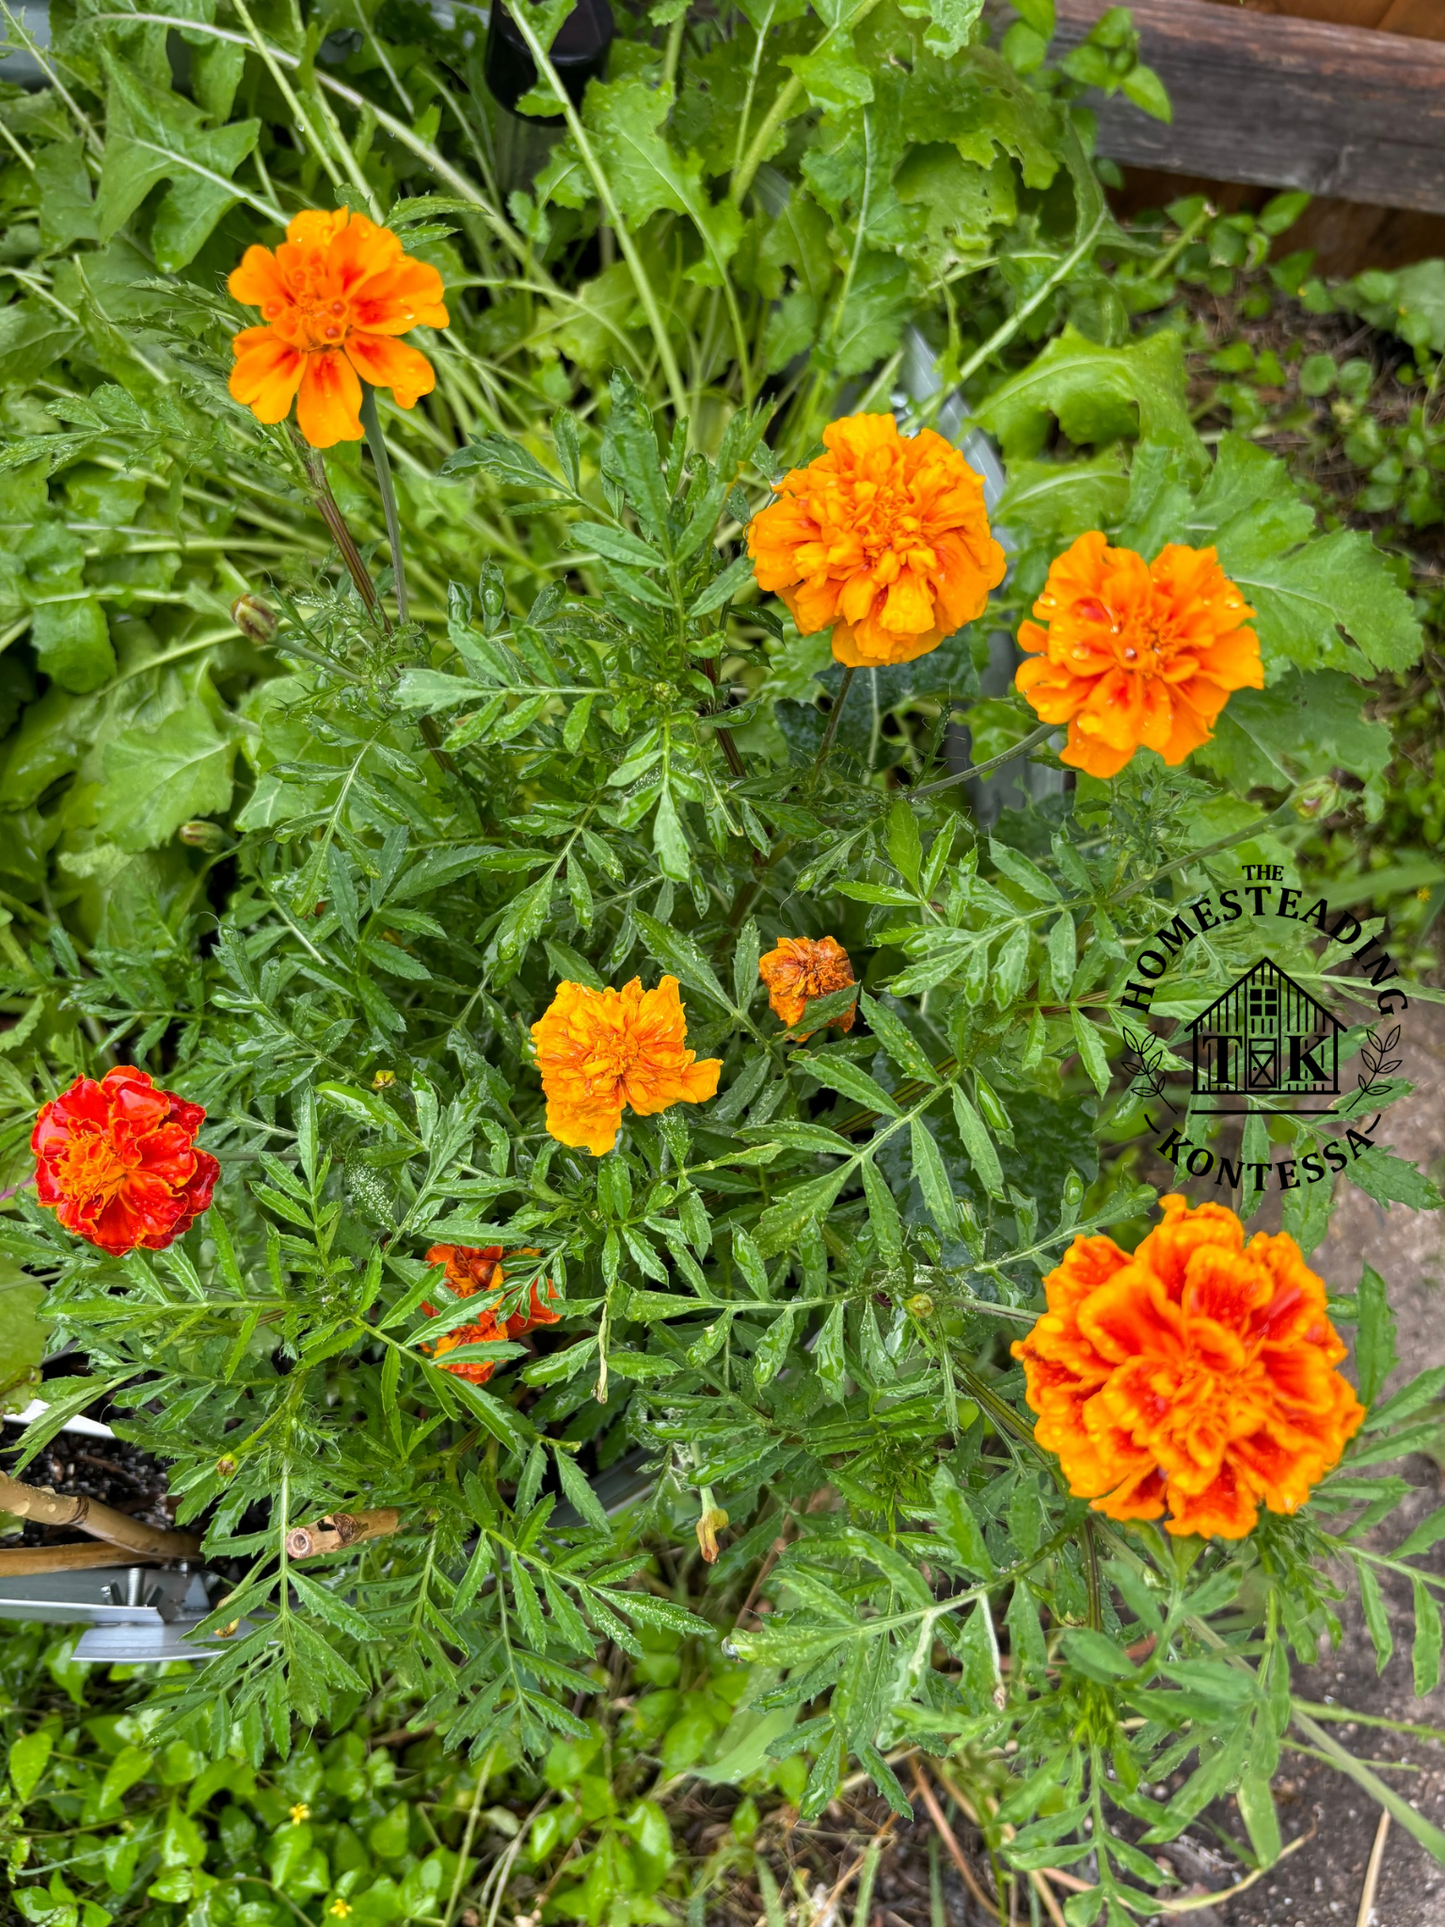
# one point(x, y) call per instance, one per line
point(109, 1471)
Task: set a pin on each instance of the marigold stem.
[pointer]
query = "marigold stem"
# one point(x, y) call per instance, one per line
point(330, 513)
point(376, 442)
point(1022, 748)
point(833, 717)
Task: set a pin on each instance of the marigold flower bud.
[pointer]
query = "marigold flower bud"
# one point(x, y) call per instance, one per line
point(255, 619)
point(713, 1521)
point(1316, 799)
point(202, 835)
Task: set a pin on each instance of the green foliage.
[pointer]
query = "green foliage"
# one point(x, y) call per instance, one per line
point(325, 886)
point(105, 1818)
point(809, 1283)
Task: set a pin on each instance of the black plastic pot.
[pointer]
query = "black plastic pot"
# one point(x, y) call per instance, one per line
point(579, 54)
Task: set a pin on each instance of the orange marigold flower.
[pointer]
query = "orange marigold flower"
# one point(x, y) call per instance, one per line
point(600, 1051)
point(1198, 1374)
point(333, 297)
point(1136, 654)
point(477, 1268)
point(884, 540)
point(117, 1162)
point(799, 969)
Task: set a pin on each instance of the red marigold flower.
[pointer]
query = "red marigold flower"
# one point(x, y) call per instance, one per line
point(798, 969)
point(1198, 1374)
point(471, 1269)
point(117, 1162)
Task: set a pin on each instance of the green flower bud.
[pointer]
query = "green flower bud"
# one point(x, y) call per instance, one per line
point(254, 618)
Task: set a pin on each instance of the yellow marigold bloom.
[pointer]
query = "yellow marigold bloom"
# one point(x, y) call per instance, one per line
point(799, 969)
point(884, 540)
point(603, 1051)
point(1136, 654)
point(1198, 1374)
point(333, 297)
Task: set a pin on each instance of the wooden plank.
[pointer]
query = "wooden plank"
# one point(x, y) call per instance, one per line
point(1281, 102)
point(1422, 17)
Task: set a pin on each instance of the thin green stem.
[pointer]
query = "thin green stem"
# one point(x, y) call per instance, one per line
point(646, 293)
point(376, 442)
point(1029, 742)
point(834, 716)
point(782, 107)
point(1004, 334)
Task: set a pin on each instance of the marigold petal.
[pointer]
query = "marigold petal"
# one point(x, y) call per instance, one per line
point(328, 409)
point(267, 374)
point(1224, 1509)
point(258, 279)
point(313, 227)
point(387, 363)
point(405, 294)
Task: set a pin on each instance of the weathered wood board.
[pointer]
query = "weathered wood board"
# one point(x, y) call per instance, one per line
point(1280, 101)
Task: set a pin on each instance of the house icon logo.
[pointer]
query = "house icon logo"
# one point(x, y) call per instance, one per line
point(1265, 1045)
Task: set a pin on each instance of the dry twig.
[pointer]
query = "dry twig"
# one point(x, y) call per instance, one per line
point(340, 1529)
point(950, 1840)
point(100, 1521)
point(1372, 1872)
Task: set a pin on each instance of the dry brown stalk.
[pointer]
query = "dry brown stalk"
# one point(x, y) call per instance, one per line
point(100, 1521)
point(950, 1840)
point(340, 1529)
point(15, 1560)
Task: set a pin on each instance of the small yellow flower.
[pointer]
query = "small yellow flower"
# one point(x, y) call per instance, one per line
point(383, 1080)
point(341, 1908)
point(600, 1051)
point(299, 1813)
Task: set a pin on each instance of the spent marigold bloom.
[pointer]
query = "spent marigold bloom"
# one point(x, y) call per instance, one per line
point(798, 969)
point(333, 298)
point(603, 1051)
point(1198, 1374)
point(1136, 654)
point(117, 1162)
point(471, 1269)
point(884, 540)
